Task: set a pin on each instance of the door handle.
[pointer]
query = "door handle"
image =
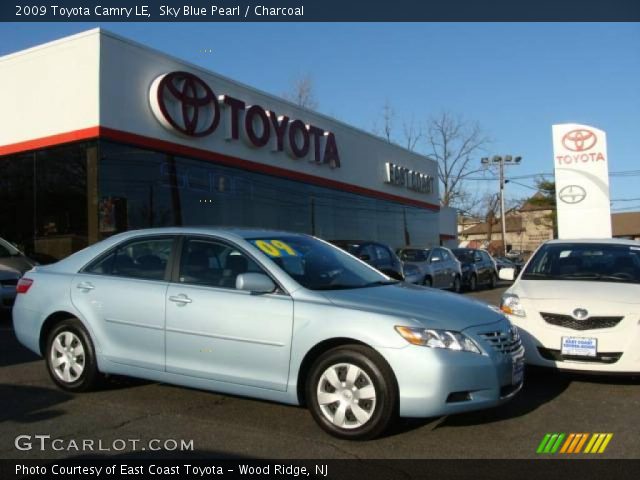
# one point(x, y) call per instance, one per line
point(86, 286)
point(180, 299)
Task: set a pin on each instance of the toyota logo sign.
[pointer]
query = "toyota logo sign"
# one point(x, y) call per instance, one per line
point(579, 140)
point(580, 314)
point(183, 102)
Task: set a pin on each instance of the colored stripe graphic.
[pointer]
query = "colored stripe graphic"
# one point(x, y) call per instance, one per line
point(550, 443)
point(573, 443)
point(598, 442)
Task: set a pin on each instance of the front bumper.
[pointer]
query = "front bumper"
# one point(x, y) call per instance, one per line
point(618, 348)
point(434, 382)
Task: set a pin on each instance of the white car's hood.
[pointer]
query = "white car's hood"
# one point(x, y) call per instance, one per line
point(578, 291)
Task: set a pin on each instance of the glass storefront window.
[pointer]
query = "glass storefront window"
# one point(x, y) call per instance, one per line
point(56, 201)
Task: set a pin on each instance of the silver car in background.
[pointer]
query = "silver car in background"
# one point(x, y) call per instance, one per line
point(272, 315)
point(438, 267)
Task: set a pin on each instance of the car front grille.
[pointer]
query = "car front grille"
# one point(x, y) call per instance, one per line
point(591, 323)
point(557, 356)
point(503, 341)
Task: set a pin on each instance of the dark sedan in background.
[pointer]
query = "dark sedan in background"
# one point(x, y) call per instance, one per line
point(376, 254)
point(13, 264)
point(478, 268)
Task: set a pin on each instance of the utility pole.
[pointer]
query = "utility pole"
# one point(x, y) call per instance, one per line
point(501, 162)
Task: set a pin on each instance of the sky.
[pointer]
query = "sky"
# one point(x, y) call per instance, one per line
point(514, 79)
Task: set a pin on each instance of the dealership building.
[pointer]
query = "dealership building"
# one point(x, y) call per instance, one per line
point(99, 134)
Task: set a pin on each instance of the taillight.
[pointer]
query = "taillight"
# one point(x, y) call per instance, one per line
point(24, 284)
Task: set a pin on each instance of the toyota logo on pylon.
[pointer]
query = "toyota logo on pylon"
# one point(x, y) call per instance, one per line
point(579, 140)
point(183, 102)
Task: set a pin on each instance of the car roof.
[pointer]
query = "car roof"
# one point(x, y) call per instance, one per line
point(606, 241)
point(206, 230)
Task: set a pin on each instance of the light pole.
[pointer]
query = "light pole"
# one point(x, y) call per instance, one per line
point(501, 162)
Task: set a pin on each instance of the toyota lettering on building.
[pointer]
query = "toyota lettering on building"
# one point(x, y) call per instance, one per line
point(185, 104)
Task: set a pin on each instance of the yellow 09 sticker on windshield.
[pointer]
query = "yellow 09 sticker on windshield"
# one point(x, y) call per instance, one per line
point(275, 248)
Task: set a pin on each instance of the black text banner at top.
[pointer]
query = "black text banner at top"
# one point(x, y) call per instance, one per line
point(318, 11)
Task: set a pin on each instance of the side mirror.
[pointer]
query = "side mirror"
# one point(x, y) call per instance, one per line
point(507, 273)
point(364, 257)
point(255, 283)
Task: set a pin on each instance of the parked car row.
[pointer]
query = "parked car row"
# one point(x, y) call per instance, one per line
point(291, 318)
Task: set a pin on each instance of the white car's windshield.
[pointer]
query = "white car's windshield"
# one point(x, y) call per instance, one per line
point(317, 265)
point(584, 261)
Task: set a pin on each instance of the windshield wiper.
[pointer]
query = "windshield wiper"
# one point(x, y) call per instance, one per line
point(380, 282)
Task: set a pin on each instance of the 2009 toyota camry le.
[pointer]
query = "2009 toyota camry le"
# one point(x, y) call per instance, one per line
point(272, 315)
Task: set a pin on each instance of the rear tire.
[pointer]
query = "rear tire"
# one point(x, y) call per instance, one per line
point(352, 393)
point(70, 357)
point(493, 282)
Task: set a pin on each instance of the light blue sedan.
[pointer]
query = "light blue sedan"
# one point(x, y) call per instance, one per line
point(272, 315)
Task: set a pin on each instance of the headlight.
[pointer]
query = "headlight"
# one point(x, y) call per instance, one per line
point(438, 339)
point(510, 304)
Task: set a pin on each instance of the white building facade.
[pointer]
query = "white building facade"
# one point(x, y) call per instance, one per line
point(99, 135)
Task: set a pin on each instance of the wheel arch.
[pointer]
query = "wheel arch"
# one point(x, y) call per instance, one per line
point(51, 321)
point(317, 350)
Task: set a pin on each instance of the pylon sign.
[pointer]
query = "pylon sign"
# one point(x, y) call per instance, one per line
point(582, 181)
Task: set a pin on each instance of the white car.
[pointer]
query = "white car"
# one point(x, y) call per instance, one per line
point(577, 305)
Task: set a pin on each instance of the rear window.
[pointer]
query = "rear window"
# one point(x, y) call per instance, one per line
point(464, 255)
point(585, 262)
point(414, 255)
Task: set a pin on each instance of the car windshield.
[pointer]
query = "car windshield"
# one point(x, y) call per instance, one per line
point(7, 250)
point(317, 265)
point(464, 255)
point(414, 255)
point(585, 262)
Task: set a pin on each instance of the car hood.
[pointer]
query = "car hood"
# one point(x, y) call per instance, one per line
point(18, 263)
point(578, 290)
point(433, 308)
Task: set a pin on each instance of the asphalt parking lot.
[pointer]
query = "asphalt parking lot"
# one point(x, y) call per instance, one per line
point(223, 426)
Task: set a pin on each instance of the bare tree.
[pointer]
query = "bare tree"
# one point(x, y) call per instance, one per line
point(455, 144)
point(413, 133)
point(302, 92)
point(386, 129)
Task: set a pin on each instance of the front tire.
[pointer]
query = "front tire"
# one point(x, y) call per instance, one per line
point(352, 393)
point(473, 283)
point(427, 282)
point(457, 286)
point(70, 357)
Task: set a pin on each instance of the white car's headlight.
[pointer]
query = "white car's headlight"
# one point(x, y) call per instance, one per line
point(510, 304)
point(438, 339)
